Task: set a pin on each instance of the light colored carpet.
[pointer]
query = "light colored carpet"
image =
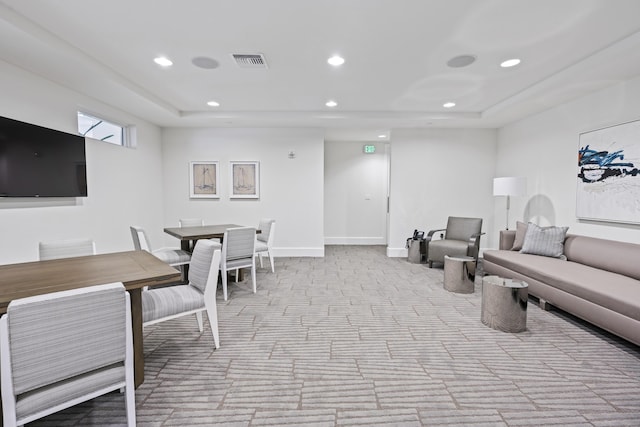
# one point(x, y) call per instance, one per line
point(356, 338)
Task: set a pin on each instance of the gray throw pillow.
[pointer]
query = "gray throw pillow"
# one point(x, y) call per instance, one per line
point(545, 241)
point(521, 230)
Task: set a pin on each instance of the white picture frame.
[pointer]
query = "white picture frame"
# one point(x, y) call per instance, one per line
point(204, 179)
point(244, 180)
point(608, 174)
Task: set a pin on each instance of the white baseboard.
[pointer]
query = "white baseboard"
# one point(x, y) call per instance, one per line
point(299, 252)
point(354, 241)
point(397, 252)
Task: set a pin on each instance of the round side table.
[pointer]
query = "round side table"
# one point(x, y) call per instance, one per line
point(504, 304)
point(459, 274)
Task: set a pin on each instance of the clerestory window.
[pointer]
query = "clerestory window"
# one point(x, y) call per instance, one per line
point(102, 130)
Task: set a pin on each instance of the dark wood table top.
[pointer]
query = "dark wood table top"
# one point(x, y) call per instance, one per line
point(200, 232)
point(135, 269)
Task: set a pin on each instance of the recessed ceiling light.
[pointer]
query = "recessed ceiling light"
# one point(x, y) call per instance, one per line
point(331, 104)
point(213, 104)
point(449, 104)
point(510, 63)
point(336, 60)
point(382, 136)
point(163, 61)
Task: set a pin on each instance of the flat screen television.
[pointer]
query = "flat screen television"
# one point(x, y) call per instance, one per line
point(39, 162)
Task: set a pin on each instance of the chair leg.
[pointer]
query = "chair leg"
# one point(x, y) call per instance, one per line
point(273, 270)
point(212, 314)
point(224, 283)
point(199, 319)
point(237, 274)
point(130, 402)
point(260, 257)
point(253, 277)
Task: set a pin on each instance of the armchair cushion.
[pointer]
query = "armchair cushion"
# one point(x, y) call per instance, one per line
point(261, 246)
point(439, 248)
point(73, 388)
point(165, 302)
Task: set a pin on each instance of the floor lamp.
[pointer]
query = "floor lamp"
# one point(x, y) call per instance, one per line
point(509, 186)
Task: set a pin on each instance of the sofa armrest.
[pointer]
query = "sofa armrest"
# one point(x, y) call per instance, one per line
point(507, 237)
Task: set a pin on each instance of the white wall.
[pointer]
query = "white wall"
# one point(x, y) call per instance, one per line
point(124, 185)
point(355, 193)
point(437, 173)
point(544, 148)
point(291, 190)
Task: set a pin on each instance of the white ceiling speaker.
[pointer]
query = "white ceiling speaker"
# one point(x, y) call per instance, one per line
point(205, 62)
point(461, 61)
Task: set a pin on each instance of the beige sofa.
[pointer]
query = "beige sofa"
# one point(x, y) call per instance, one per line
point(599, 282)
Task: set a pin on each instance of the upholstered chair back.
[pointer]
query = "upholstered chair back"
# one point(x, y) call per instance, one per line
point(66, 249)
point(200, 266)
point(191, 222)
point(265, 229)
point(140, 241)
point(239, 243)
point(460, 228)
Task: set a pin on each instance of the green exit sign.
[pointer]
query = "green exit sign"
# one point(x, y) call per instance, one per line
point(369, 149)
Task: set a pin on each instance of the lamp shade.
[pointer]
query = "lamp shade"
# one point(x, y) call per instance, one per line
point(510, 186)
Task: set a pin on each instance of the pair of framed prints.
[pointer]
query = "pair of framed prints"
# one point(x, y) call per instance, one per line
point(244, 180)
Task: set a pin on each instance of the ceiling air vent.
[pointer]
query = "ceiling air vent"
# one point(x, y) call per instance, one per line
point(254, 60)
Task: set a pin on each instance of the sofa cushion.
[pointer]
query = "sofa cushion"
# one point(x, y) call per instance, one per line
point(610, 255)
point(611, 290)
point(521, 230)
point(545, 241)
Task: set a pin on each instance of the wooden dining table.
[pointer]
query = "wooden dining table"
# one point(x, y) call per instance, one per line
point(190, 235)
point(135, 269)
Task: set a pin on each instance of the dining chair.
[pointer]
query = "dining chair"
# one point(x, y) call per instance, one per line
point(50, 362)
point(194, 222)
point(161, 304)
point(66, 248)
point(172, 256)
point(238, 251)
point(191, 222)
point(264, 241)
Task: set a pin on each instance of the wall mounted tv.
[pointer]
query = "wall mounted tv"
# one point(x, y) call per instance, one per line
point(39, 162)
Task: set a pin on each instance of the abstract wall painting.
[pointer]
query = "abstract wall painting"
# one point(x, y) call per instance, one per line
point(609, 174)
point(203, 180)
point(245, 180)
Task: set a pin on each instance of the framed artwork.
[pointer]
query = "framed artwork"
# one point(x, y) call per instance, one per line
point(608, 174)
point(245, 180)
point(203, 180)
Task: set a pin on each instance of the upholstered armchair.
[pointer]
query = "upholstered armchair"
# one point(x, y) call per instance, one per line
point(160, 304)
point(460, 238)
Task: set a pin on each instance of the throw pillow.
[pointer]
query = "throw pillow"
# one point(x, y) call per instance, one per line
point(545, 241)
point(521, 230)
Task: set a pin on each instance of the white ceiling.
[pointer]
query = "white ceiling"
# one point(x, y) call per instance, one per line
point(396, 51)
